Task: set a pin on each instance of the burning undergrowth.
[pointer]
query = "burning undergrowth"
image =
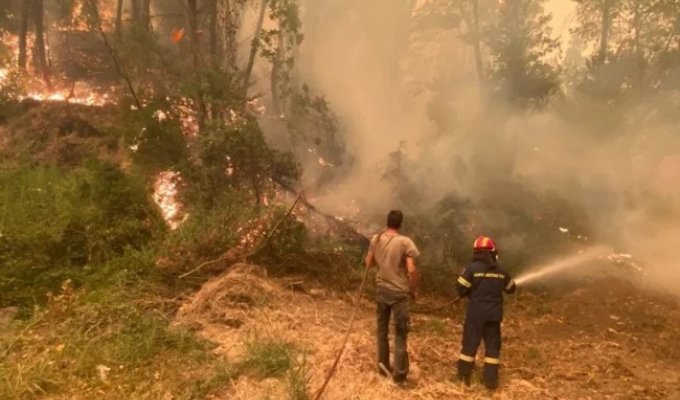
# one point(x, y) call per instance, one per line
point(165, 196)
point(229, 232)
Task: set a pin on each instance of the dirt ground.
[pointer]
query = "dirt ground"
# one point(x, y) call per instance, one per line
point(603, 339)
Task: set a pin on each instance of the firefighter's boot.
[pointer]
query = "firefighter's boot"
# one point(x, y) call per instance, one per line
point(491, 373)
point(465, 369)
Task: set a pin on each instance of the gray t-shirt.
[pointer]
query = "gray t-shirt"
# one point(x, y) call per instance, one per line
point(390, 254)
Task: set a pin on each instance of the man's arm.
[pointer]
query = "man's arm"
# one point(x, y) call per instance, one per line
point(412, 276)
point(369, 260)
point(411, 254)
point(464, 283)
point(370, 255)
point(510, 285)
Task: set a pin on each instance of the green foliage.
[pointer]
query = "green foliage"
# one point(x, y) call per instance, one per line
point(639, 41)
point(237, 156)
point(57, 225)
point(521, 46)
point(119, 212)
point(288, 240)
point(156, 137)
point(11, 83)
point(221, 89)
point(207, 233)
point(298, 378)
point(103, 340)
point(278, 46)
point(266, 359)
point(203, 386)
point(313, 124)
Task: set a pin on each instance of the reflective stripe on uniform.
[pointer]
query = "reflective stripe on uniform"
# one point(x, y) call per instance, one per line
point(510, 284)
point(464, 282)
point(488, 275)
point(466, 358)
point(491, 360)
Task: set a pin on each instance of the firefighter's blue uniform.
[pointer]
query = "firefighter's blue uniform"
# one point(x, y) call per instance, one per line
point(484, 281)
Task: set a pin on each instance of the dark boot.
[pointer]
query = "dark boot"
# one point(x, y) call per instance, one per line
point(491, 376)
point(400, 380)
point(493, 385)
point(465, 371)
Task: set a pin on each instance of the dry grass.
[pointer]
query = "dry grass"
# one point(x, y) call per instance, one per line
point(102, 345)
point(543, 358)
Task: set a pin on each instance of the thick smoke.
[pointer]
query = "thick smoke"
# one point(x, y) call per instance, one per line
point(410, 92)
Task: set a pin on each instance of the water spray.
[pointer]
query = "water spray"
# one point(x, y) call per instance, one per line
point(579, 259)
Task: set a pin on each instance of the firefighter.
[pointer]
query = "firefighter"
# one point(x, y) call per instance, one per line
point(483, 281)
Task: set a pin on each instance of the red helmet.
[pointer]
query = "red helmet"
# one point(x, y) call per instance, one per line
point(484, 243)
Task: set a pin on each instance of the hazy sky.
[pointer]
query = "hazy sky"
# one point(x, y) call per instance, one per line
point(563, 16)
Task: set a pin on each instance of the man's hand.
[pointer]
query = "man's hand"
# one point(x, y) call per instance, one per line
point(369, 260)
point(412, 277)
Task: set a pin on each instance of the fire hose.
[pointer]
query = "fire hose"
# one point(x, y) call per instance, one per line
point(334, 366)
point(343, 345)
point(439, 307)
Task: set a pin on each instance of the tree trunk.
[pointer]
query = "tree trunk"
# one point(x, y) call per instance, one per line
point(194, 39)
point(275, 81)
point(146, 15)
point(40, 50)
point(192, 19)
point(23, 33)
point(471, 19)
point(253, 48)
point(136, 10)
point(215, 107)
point(119, 18)
point(214, 39)
point(606, 24)
point(94, 10)
point(230, 32)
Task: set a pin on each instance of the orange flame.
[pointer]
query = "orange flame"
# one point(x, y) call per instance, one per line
point(177, 34)
point(165, 196)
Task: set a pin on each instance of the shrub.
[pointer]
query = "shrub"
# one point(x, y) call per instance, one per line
point(238, 157)
point(58, 224)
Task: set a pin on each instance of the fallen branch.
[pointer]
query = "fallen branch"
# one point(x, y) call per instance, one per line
point(257, 249)
point(215, 261)
point(272, 231)
point(331, 219)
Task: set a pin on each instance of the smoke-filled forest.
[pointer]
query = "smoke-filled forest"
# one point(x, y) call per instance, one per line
point(188, 189)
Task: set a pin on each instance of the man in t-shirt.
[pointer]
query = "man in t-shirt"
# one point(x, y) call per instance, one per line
point(396, 281)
